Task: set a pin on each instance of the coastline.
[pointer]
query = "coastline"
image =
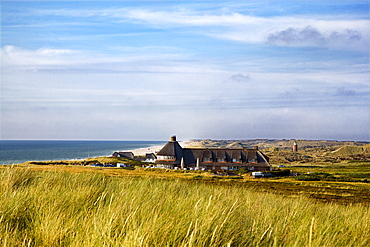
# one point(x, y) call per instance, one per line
point(22, 151)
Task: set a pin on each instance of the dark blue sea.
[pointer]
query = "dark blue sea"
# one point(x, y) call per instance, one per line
point(15, 152)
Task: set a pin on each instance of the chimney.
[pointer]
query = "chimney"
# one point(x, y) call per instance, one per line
point(173, 138)
point(256, 147)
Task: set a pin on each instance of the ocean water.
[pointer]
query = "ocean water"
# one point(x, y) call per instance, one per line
point(14, 152)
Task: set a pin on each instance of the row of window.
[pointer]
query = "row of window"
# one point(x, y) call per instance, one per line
point(231, 168)
point(233, 160)
point(219, 160)
point(166, 158)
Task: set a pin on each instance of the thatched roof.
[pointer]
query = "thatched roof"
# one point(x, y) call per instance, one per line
point(171, 149)
point(150, 156)
point(236, 154)
point(129, 155)
point(211, 155)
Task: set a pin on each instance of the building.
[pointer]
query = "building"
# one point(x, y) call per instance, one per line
point(295, 147)
point(128, 155)
point(150, 157)
point(172, 155)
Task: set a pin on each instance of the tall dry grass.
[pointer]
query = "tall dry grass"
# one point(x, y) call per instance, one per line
point(65, 209)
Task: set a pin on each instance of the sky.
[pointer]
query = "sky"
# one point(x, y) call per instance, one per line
point(146, 70)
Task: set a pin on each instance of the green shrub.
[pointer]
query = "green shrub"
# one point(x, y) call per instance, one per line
point(281, 173)
point(316, 176)
point(243, 170)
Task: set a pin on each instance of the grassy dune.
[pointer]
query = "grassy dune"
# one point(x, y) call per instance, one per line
point(44, 208)
point(352, 150)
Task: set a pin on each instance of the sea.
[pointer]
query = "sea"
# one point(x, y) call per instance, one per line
point(17, 151)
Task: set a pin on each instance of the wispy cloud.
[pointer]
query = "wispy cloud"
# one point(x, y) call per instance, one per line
point(46, 59)
point(14, 58)
point(336, 32)
point(287, 69)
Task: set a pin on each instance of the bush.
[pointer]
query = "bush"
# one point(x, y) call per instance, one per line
point(129, 168)
point(316, 176)
point(281, 173)
point(242, 171)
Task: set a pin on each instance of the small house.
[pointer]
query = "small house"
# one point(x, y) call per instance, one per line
point(128, 155)
point(151, 158)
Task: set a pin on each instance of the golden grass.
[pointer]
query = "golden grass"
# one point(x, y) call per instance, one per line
point(64, 208)
point(352, 150)
point(325, 191)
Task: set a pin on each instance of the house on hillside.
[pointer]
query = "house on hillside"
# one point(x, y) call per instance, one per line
point(172, 155)
point(150, 157)
point(129, 155)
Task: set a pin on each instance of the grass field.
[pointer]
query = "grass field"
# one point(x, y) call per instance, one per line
point(344, 182)
point(91, 206)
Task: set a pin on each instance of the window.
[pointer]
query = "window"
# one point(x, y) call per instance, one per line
point(220, 160)
point(206, 159)
point(236, 160)
point(166, 157)
point(224, 168)
point(251, 160)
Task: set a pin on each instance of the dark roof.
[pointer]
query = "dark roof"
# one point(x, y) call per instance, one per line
point(191, 155)
point(140, 158)
point(150, 156)
point(129, 155)
point(207, 154)
point(251, 154)
point(171, 149)
point(245, 155)
point(220, 154)
point(263, 158)
point(236, 154)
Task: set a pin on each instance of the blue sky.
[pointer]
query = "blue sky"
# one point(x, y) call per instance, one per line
point(145, 70)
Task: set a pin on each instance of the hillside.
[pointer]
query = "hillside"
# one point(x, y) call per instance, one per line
point(352, 150)
point(280, 151)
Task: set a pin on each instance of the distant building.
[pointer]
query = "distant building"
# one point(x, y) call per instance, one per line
point(129, 155)
point(295, 147)
point(150, 158)
point(172, 155)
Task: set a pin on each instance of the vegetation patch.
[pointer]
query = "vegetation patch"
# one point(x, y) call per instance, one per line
point(352, 150)
point(59, 208)
point(317, 176)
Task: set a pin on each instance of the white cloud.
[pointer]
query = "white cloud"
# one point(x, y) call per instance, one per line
point(46, 59)
point(187, 84)
point(149, 86)
point(303, 31)
point(12, 56)
point(241, 27)
point(310, 36)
